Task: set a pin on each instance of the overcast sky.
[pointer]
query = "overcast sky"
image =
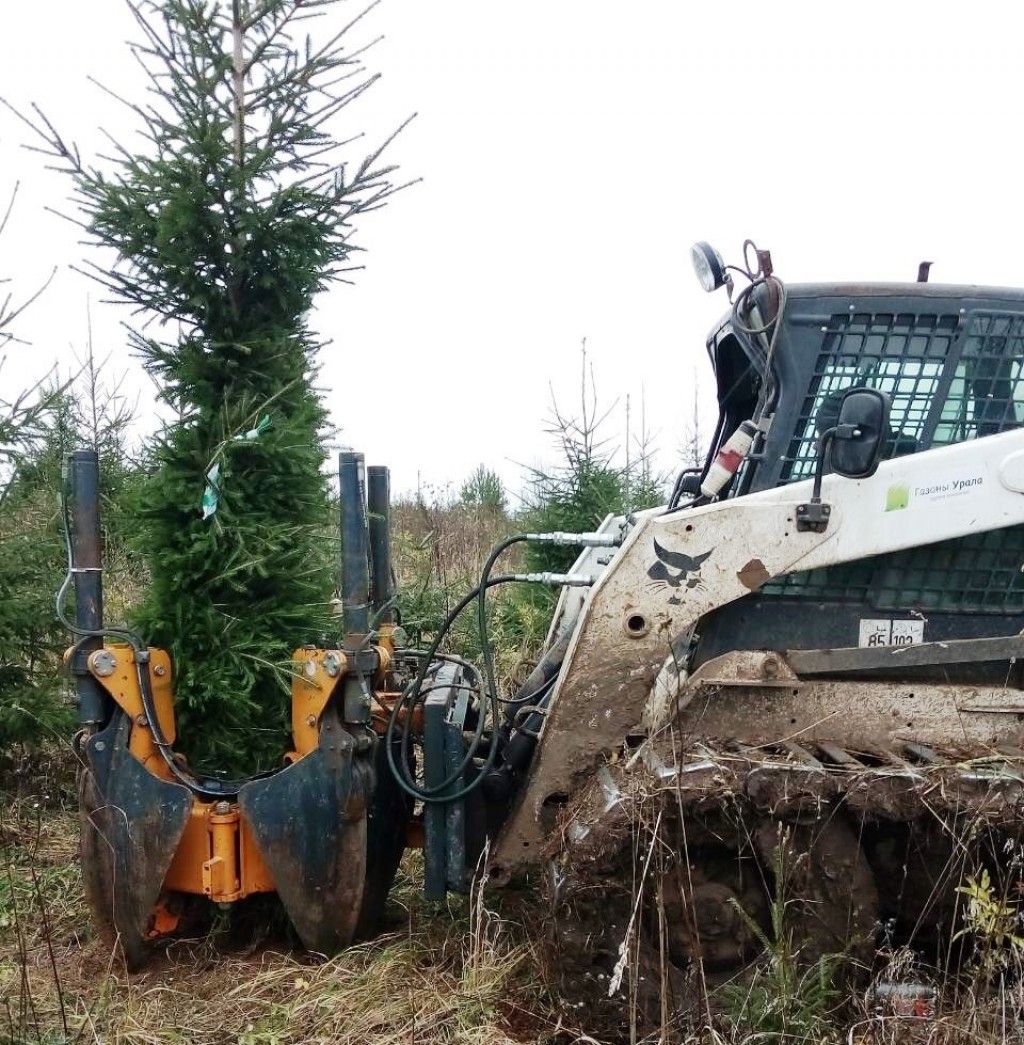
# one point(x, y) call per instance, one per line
point(570, 152)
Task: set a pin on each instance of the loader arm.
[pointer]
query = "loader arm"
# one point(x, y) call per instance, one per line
point(620, 674)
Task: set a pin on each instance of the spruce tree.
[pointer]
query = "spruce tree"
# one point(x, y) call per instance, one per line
point(33, 424)
point(22, 417)
point(235, 214)
point(32, 562)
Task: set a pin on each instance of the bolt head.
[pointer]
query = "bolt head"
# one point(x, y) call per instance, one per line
point(160, 671)
point(103, 663)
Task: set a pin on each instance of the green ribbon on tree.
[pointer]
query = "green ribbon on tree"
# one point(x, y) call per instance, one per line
point(211, 495)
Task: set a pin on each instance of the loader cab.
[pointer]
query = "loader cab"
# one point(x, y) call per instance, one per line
point(951, 359)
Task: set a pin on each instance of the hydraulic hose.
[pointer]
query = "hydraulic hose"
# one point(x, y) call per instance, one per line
point(485, 643)
point(411, 695)
point(490, 701)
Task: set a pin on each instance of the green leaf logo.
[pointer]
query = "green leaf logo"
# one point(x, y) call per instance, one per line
point(897, 497)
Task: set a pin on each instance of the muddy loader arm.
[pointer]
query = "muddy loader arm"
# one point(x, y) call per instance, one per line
point(621, 676)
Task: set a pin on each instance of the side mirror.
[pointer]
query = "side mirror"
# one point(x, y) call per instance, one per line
point(853, 447)
point(860, 433)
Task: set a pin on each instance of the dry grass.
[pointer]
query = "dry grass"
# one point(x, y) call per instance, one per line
point(391, 991)
point(456, 973)
point(439, 553)
point(443, 542)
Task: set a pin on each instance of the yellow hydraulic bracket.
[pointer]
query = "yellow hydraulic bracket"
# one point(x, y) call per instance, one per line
point(218, 857)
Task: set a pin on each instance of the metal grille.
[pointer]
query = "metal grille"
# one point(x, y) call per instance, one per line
point(980, 573)
point(986, 392)
point(904, 355)
point(943, 391)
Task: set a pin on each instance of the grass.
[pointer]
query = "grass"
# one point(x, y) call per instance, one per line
point(453, 973)
point(783, 1001)
point(473, 971)
point(439, 551)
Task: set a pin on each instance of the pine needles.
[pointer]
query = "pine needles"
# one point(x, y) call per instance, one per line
point(237, 211)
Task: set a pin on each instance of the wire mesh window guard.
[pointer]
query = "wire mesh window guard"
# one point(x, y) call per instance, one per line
point(948, 381)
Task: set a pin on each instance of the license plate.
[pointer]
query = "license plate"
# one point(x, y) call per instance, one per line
point(879, 631)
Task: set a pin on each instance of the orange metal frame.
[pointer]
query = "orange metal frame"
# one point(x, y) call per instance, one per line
point(218, 857)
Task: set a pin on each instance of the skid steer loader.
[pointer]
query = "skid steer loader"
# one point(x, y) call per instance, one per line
point(804, 667)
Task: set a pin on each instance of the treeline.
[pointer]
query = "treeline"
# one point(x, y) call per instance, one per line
point(441, 540)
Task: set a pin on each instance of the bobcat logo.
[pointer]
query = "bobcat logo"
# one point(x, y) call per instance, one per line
point(682, 566)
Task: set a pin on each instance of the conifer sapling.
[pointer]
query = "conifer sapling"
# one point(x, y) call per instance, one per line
point(237, 211)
